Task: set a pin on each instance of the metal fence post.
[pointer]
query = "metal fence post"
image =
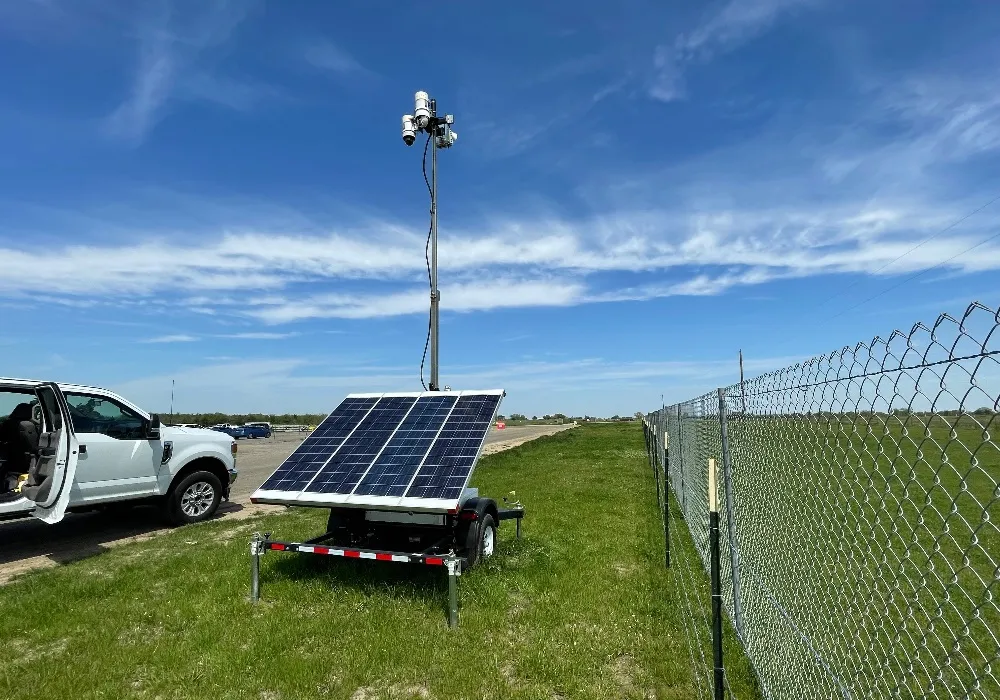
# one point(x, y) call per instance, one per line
point(656, 459)
point(648, 428)
point(734, 544)
point(713, 548)
point(680, 459)
point(666, 494)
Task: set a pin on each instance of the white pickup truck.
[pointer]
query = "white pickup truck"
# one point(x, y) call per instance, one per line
point(68, 447)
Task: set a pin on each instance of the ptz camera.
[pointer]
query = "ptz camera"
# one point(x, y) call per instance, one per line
point(422, 109)
point(409, 132)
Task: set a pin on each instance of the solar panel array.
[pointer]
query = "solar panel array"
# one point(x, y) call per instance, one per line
point(406, 450)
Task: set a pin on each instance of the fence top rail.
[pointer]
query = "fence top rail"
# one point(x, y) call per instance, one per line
point(970, 338)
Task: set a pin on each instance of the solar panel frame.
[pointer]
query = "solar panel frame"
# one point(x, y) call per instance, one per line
point(405, 503)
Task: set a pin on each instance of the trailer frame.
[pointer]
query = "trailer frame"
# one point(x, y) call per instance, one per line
point(444, 552)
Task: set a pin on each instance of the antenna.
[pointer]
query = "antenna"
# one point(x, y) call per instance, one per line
point(438, 130)
point(172, 400)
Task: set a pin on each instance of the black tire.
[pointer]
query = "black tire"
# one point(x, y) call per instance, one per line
point(475, 540)
point(194, 498)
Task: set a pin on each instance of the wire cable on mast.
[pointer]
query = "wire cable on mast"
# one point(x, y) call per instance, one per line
point(427, 259)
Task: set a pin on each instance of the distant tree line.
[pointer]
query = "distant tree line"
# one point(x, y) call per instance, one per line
point(515, 418)
point(207, 419)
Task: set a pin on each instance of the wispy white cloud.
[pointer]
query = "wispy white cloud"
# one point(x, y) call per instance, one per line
point(479, 296)
point(746, 215)
point(725, 29)
point(239, 95)
point(176, 338)
point(328, 56)
point(258, 335)
point(545, 262)
point(304, 385)
point(170, 42)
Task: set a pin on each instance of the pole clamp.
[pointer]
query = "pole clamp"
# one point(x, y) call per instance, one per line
point(258, 543)
point(436, 295)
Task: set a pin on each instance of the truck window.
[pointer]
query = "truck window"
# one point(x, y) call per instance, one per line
point(9, 400)
point(97, 414)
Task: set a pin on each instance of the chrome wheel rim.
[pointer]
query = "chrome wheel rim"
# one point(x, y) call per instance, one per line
point(489, 539)
point(197, 499)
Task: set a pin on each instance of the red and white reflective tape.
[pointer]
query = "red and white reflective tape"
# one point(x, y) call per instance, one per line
point(354, 553)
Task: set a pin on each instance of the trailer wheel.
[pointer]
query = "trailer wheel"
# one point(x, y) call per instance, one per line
point(481, 540)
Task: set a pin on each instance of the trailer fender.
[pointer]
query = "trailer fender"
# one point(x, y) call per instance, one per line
point(475, 508)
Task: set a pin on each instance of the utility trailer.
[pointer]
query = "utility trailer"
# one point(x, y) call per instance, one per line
point(393, 470)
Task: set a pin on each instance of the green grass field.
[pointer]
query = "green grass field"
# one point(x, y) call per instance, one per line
point(581, 607)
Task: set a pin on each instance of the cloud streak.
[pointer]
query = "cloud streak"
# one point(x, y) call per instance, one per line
point(170, 43)
point(546, 262)
point(734, 24)
point(176, 338)
point(328, 56)
point(302, 385)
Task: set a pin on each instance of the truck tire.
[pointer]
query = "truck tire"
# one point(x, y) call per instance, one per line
point(480, 542)
point(194, 498)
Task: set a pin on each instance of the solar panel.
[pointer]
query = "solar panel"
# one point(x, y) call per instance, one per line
point(347, 465)
point(448, 465)
point(303, 464)
point(396, 466)
point(412, 451)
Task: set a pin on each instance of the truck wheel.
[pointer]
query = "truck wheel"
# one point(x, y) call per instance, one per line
point(481, 541)
point(194, 498)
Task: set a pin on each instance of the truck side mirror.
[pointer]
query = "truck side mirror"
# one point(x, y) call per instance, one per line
point(153, 427)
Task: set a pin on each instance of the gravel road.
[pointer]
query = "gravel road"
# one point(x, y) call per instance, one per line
point(30, 544)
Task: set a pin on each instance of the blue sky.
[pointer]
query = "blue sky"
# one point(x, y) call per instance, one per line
point(216, 192)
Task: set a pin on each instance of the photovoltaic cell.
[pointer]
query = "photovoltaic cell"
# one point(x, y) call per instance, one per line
point(408, 450)
point(394, 469)
point(296, 471)
point(347, 465)
point(446, 469)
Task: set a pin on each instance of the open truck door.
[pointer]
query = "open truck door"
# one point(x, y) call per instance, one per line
point(53, 466)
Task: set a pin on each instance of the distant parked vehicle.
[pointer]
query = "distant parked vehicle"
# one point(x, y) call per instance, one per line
point(235, 431)
point(257, 430)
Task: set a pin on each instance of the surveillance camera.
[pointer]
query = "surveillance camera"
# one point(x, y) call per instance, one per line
point(422, 109)
point(446, 138)
point(409, 132)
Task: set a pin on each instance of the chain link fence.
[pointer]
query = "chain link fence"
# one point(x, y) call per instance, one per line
point(859, 500)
